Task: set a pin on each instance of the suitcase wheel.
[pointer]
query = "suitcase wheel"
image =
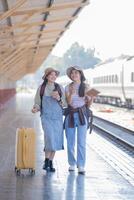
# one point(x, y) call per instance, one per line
point(18, 171)
point(32, 171)
point(15, 169)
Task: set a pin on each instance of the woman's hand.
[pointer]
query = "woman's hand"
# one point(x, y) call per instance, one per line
point(56, 95)
point(34, 110)
point(89, 100)
point(72, 89)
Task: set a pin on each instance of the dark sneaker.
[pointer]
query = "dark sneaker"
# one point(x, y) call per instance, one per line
point(46, 164)
point(51, 168)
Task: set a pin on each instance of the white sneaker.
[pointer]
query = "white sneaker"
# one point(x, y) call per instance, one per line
point(81, 170)
point(71, 168)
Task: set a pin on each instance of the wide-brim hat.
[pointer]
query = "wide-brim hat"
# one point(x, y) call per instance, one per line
point(69, 70)
point(48, 71)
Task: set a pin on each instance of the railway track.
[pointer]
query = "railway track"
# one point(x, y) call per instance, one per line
point(110, 129)
point(107, 142)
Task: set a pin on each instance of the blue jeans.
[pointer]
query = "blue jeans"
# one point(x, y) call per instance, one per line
point(81, 142)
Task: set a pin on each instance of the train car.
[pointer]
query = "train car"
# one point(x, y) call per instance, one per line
point(115, 81)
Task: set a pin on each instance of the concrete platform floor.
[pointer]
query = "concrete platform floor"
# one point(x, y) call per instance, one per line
point(101, 181)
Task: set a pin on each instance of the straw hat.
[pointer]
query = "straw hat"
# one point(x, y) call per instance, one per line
point(69, 70)
point(49, 70)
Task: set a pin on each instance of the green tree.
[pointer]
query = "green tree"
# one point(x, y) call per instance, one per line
point(77, 55)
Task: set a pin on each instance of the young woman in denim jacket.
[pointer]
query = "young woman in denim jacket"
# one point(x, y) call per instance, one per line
point(76, 118)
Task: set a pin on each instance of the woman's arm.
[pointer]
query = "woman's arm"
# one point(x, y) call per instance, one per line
point(69, 91)
point(88, 100)
point(37, 102)
point(63, 98)
point(68, 98)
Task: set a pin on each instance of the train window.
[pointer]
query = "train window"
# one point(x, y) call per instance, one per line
point(112, 78)
point(116, 79)
point(104, 79)
point(107, 79)
point(132, 76)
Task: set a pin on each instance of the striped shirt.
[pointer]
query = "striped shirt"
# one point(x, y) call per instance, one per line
point(76, 100)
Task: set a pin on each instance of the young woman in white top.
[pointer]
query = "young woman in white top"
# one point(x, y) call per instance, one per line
point(76, 118)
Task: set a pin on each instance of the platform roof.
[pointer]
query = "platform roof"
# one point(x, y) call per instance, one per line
point(29, 29)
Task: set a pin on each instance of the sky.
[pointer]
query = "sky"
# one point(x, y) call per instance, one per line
point(106, 25)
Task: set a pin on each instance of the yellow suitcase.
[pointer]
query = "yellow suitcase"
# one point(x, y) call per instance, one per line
point(25, 150)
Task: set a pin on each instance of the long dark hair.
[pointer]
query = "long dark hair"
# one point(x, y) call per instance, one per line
point(82, 87)
point(43, 85)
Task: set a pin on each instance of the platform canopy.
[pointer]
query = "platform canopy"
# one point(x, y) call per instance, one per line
point(29, 29)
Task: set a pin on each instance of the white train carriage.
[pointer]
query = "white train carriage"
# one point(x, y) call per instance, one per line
point(115, 81)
